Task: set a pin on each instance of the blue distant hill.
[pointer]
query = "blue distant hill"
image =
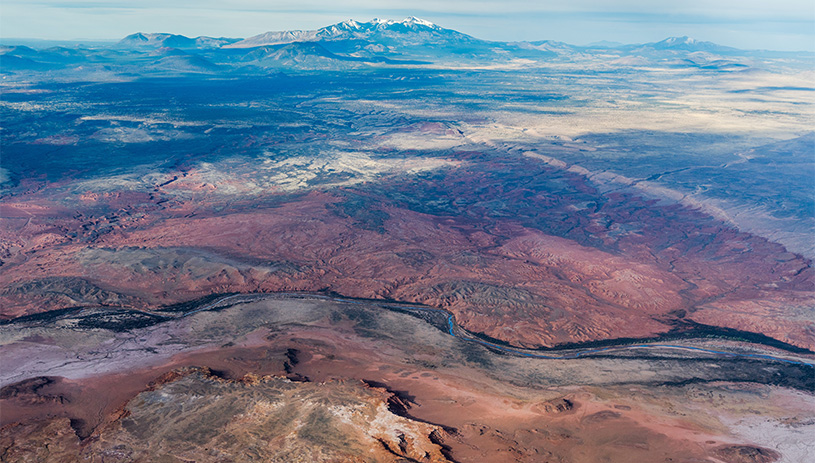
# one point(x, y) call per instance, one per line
point(352, 44)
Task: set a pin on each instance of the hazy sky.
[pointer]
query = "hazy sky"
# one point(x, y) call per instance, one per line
point(770, 24)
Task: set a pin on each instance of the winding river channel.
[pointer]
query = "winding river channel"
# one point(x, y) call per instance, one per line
point(453, 329)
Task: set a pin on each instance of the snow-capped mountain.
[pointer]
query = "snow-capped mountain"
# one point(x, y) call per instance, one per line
point(686, 43)
point(379, 42)
point(410, 31)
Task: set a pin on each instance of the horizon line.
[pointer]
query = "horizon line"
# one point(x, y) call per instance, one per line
point(618, 44)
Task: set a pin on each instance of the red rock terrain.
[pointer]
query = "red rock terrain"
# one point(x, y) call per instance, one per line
point(330, 391)
point(267, 419)
point(209, 255)
point(545, 275)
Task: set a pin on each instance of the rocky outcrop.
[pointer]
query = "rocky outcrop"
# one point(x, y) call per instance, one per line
point(193, 415)
point(746, 454)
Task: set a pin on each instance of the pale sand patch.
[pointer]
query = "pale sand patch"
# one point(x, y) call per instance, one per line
point(791, 436)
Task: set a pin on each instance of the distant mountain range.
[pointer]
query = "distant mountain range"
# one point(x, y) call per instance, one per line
point(686, 43)
point(140, 39)
point(410, 31)
point(413, 31)
point(352, 44)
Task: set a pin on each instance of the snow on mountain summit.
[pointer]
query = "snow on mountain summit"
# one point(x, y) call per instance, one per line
point(684, 40)
point(411, 21)
point(421, 22)
point(680, 42)
point(410, 29)
point(689, 44)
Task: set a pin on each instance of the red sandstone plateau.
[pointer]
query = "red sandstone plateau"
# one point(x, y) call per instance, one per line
point(499, 276)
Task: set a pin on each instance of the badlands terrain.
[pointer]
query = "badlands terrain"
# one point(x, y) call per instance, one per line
point(390, 241)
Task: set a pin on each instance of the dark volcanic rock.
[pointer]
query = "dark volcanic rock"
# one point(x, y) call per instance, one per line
point(747, 454)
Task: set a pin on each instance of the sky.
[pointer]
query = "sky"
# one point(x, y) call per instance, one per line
point(749, 24)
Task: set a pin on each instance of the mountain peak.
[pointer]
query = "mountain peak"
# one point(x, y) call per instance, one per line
point(162, 40)
point(675, 41)
point(685, 44)
point(420, 22)
point(138, 36)
point(411, 31)
point(410, 21)
point(350, 24)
